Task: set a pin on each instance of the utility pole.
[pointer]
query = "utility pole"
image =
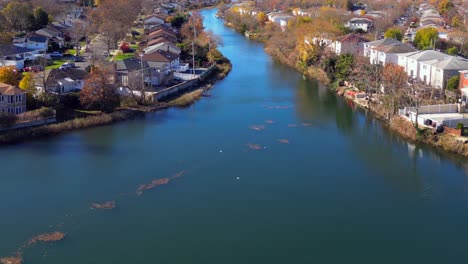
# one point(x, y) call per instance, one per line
point(193, 49)
point(142, 78)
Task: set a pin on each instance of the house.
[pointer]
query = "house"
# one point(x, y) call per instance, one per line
point(464, 82)
point(168, 46)
point(385, 51)
point(153, 21)
point(128, 72)
point(162, 32)
point(61, 82)
point(280, 18)
point(162, 59)
point(438, 72)
point(11, 55)
point(33, 42)
point(411, 61)
point(351, 43)
point(12, 99)
point(54, 35)
point(160, 40)
point(362, 23)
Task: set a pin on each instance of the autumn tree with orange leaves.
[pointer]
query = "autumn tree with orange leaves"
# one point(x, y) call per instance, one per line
point(98, 92)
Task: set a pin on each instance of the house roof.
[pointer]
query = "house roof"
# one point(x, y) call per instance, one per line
point(452, 63)
point(426, 55)
point(56, 75)
point(6, 89)
point(383, 42)
point(160, 56)
point(48, 32)
point(352, 38)
point(361, 20)
point(395, 48)
point(159, 46)
point(10, 49)
point(130, 64)
point(37, 38)
point(163, 31)
point(160, 40)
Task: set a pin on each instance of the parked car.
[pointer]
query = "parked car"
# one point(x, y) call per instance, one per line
point(69, 63)
point(78, 59)
point(35, 68)
point(106, 54)
point(56, 54)
point(66, 66)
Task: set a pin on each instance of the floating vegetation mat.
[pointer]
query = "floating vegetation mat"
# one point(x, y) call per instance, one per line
point(46, 237)
point(257, 127)
point(269, 122)
point(157, 182)
point(104, 206)
point(283, 140)
point(292, 125)
point(277, 107)
point(254, 146)
point(12, 260)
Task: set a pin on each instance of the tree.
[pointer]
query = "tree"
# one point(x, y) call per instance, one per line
point(445, 6)
point(17, 16)
point(453, 82)
point(394, 33)
point(394, 79)
point(262, 18)
point(426, 38)
point(41, 18)
point(9, 75)
point(27, 84)
point(98, 93)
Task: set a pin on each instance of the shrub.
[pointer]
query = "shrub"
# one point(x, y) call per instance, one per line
point(7, 120)
point(452, 51)
point(453, 82)
point(125, 47)
point(460, 126)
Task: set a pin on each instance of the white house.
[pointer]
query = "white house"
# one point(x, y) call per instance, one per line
point(59, 81)
point(411, 62)
point(360, 23)
point(385, 51)
point(11, 55)
point(438, 72)
point(349, 44)
point(33, 42)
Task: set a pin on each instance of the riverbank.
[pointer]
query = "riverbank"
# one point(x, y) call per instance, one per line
point(121, 114)
point(318, 71)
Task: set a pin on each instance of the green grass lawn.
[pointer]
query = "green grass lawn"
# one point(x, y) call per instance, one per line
point(123, 56)
point(134, 46)
point(56, 64)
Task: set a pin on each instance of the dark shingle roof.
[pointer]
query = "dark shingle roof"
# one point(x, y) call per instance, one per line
point(10, 49)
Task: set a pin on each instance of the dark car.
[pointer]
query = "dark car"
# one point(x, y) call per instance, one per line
point(78, 59)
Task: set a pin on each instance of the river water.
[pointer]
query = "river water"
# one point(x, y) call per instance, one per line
point(273, 169)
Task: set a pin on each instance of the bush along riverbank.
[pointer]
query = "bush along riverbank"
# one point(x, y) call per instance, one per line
point(301, 45)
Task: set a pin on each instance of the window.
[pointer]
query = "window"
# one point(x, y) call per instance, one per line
point(1, 98)
point(466, 76)
point(424, 67)
point(18, 110)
